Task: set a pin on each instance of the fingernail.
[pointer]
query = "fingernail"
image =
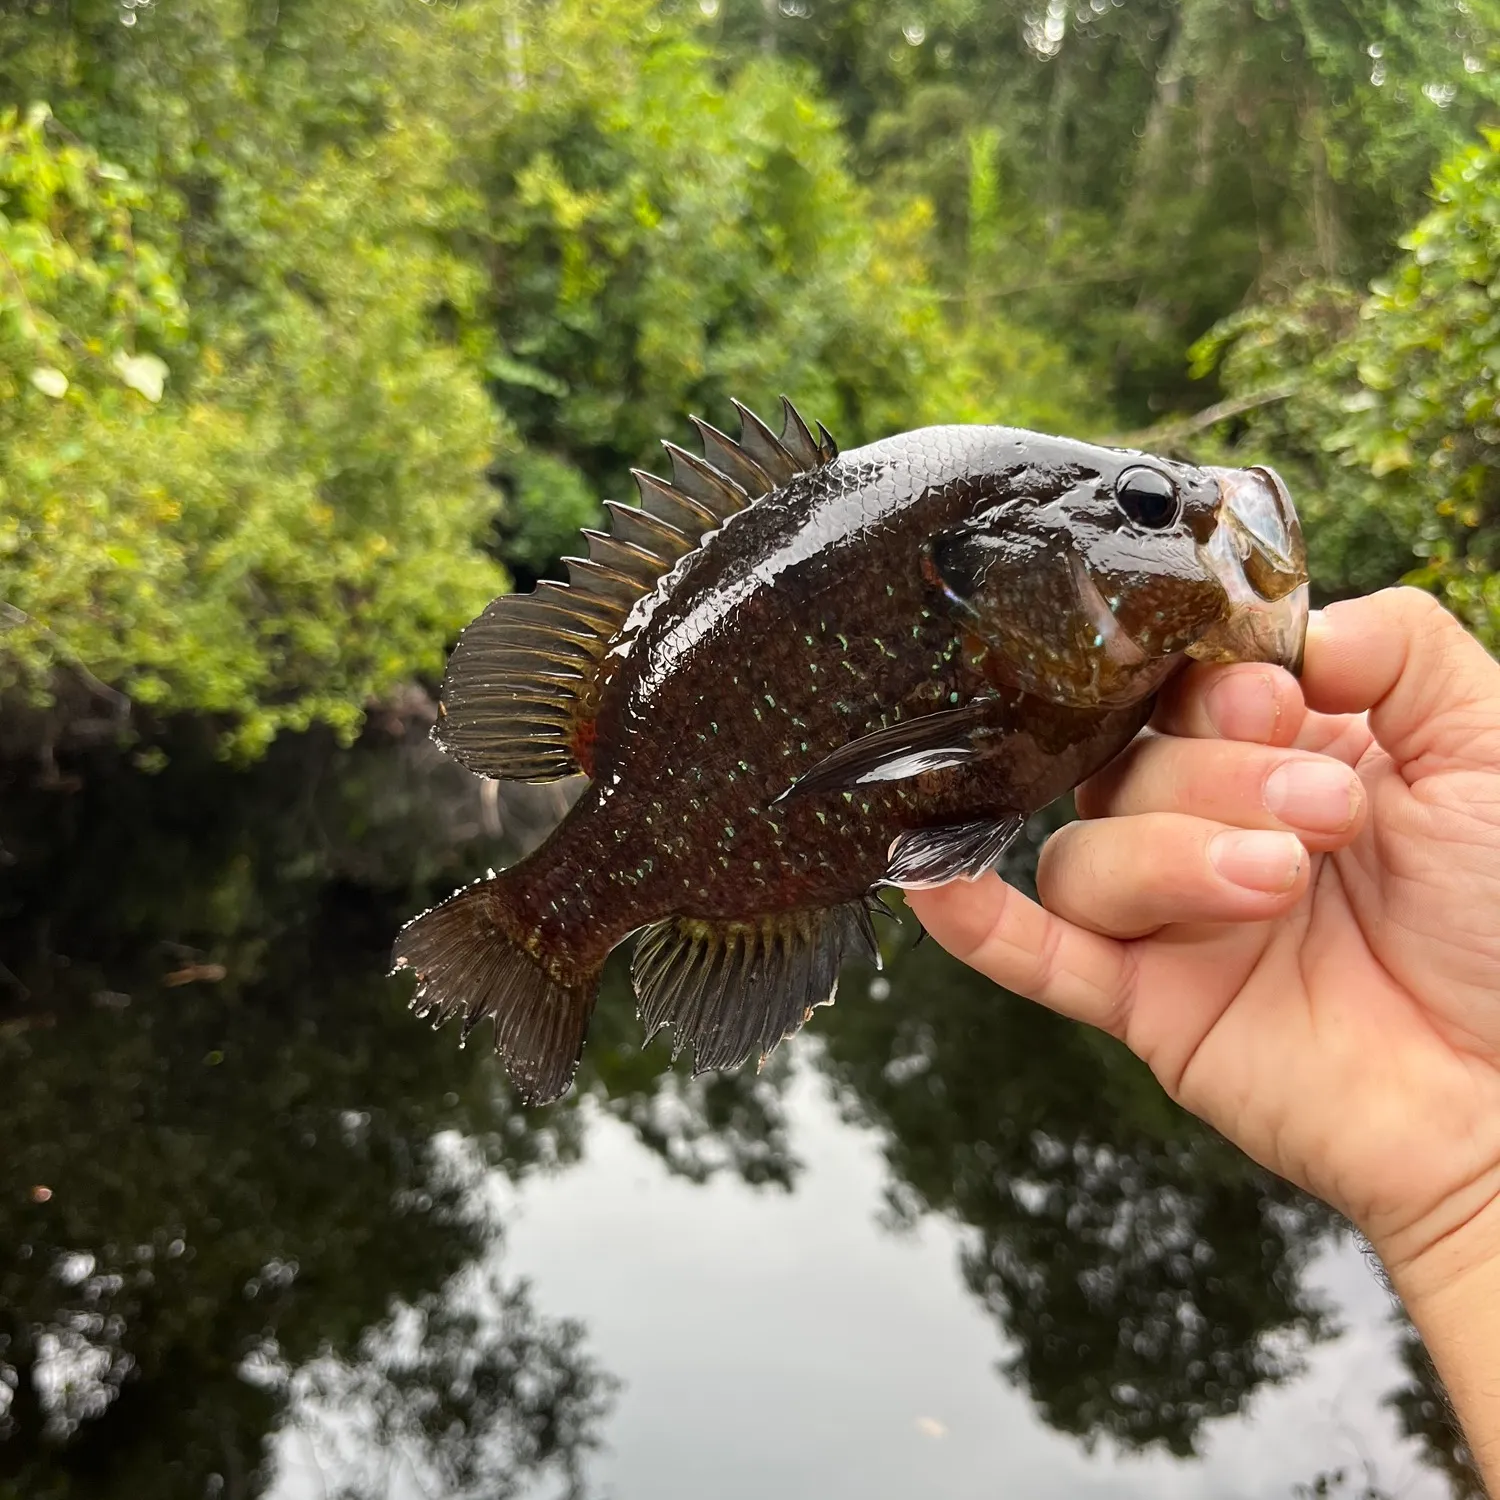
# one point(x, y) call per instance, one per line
point(1267, 862)
point(1318, 795)
point(1242, 706)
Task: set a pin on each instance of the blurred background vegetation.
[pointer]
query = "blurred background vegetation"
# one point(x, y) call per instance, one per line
point(320, 323)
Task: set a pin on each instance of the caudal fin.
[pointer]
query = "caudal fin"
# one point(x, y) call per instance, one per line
point(467, 960)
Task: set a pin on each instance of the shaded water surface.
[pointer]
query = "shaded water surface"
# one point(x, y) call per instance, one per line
point(263, 1233)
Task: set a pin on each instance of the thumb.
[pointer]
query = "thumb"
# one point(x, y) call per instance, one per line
point(1430, 689)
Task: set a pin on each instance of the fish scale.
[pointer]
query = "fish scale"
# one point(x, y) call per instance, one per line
point(795, 676)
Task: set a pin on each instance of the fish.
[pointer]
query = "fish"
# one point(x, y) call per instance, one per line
point(794, 676)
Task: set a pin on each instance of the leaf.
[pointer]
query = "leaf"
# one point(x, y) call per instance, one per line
point(50, 381)
point(509, 371)
point(1387, 460)
point(142, 372)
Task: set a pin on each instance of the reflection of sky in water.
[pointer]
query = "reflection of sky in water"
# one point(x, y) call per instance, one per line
point(787, 1344)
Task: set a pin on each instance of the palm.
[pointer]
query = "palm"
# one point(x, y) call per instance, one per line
point(1320, 978)
point(1354, 1043)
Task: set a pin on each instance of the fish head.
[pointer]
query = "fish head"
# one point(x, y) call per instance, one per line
point(1088, 581)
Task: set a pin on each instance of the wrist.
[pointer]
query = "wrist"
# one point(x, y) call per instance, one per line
point(1444, 1259)
point(1450, 1287)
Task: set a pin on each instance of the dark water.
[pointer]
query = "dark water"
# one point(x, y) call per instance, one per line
point(263, 1233)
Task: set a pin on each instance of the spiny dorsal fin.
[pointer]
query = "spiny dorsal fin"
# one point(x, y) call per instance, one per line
point(521, 690)
point(733, 989)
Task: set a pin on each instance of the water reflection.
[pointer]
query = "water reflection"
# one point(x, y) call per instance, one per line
point(1147, 1274)
point(233, 1193)
point(243, 1197)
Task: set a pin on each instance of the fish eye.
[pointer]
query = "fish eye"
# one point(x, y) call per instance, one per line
point(1148, 498)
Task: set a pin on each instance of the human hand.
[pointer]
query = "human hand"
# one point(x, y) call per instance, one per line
point(1286, 899)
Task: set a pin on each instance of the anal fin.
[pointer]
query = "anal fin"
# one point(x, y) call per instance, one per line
point(925, 857)
point(735, 989)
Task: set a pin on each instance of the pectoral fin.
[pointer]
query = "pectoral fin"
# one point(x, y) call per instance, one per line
point(935, 742)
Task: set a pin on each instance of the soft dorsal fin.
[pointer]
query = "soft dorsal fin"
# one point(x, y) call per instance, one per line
point(521, 691)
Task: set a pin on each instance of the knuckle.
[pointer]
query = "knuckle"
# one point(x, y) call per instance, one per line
point(1045, 971)
point(1054, 852)
point(1422, 611)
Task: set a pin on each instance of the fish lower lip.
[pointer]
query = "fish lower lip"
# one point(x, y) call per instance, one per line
point(1274, 631)
point(1257, 554)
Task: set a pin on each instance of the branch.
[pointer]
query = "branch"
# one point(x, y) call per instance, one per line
point(1166, 433)
point(112, 696)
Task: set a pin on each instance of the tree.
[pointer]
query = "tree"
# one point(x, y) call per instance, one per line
point(1119, 177)
point(293, 531)
point(367, 215)
point(1388, 415)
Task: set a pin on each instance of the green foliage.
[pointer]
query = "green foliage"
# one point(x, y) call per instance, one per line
point(285, 527)
point(81, 301)
point(567, 204)
point(1138, 169)
point(1391, 416)
point(379, 293)
point(548, 501)
point(672, 238)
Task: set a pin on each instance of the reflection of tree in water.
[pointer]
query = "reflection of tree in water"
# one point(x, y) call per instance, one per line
point(470, 1392)
point(698, 1126)
point(1148, 1275)
point(233, 1204)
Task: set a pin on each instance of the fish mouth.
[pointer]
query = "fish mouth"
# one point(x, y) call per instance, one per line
point(1258, 555)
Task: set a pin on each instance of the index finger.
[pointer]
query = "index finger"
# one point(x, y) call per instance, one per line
point(1002, 933)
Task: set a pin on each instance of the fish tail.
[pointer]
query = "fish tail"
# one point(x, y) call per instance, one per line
point(474, 954)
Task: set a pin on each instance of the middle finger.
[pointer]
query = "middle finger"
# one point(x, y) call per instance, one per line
point(1318, 798)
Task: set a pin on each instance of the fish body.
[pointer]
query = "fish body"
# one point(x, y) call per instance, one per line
point(863, 668)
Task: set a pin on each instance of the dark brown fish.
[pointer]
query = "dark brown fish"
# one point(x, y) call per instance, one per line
point(794, 676)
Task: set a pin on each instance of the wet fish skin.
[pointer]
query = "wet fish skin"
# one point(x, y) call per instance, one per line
point(967, 602)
